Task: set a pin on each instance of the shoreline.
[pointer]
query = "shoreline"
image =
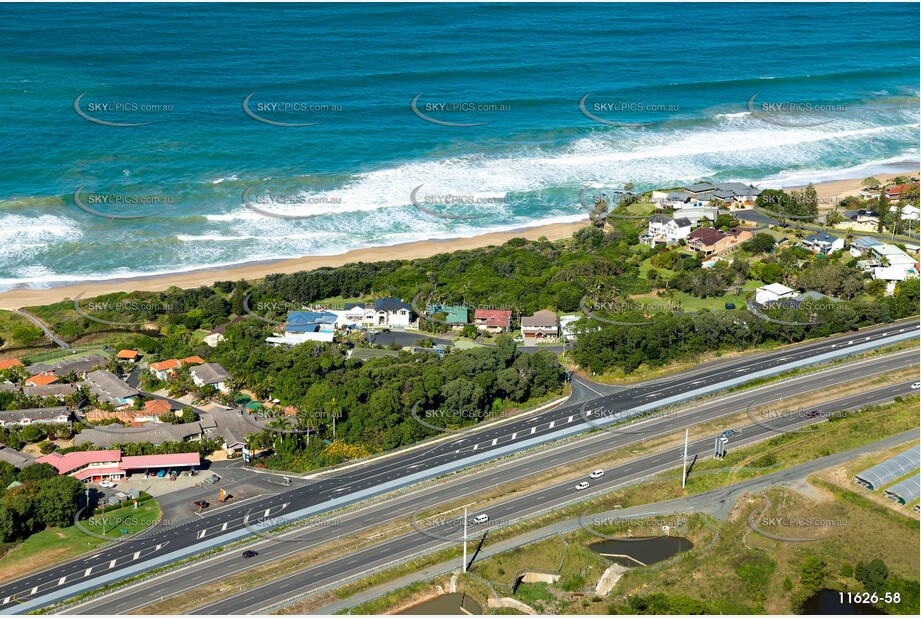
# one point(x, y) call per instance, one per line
point(24, 297)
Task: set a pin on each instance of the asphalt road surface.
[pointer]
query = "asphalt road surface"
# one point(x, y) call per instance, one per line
point(377, 477)
point(448, 529)
point(454, 488)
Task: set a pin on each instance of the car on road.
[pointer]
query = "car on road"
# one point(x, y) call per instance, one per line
point(724, 439)
point(916, 385)
point(482, 518)
point(813, 413)
point(729, 433)
point(250, 554)
point(582, 485)
point(597, 474)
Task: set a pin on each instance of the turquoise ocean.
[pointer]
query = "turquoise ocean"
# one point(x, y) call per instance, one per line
point(517, 108)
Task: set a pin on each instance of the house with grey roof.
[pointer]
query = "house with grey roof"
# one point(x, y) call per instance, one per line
point(388, 313)
point(51, 390)
point(107, 387)
point(154, 433)
point(15, 458)
point(211, 374)
point(33, 416)
point(823, 243)
point(665, 229)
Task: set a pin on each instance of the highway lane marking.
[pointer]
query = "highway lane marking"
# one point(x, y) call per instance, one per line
point(514, 435)
point(112, 564)
point(494, 440)
point(533, 429)
point(569, 420)
point(475, 446)
point(62, 580)
point(552, 423)
point(34, 590)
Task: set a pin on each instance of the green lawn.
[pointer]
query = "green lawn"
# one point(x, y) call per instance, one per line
point(72, 353)
point(16, 331)
point(692, 303)
point(56, 545)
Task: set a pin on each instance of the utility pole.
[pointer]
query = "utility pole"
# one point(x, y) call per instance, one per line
point(464, 566)
point(684, 462)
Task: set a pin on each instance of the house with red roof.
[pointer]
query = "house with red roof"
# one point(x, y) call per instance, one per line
point(42, 379)
point(10, 363)
point(92, 466)
point(130, 356)
point(493, 320)
point(895, 192)
point(164, 368)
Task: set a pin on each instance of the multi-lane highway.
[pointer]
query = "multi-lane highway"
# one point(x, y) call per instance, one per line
point(431, 533)
point(399, 508)
point(378, 477)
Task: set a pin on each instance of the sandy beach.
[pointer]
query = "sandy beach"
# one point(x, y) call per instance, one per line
point(14, 299)
point(25, 297)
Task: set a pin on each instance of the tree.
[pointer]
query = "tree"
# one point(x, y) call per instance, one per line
point(58, 501)
point(870, 182)
point(37, 472)
point(812, 573)
point(759, 243)
point(32, 433)
point(873, 576)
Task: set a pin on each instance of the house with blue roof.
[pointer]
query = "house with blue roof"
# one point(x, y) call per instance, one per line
point(823, 243)
point(301, 326)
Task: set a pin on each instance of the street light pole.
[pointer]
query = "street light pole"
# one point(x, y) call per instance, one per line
point(464, 566)
point(684, 462)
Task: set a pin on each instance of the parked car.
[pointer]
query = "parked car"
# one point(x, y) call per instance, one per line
point(582, 485)
point(250, 554)
point(106, 484)
point(201, 504)
point(161, 474)
point(173, 475)
point(121, 495)
point(211, 480)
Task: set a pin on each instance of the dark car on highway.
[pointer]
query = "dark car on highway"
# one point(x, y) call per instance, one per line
point(249, 554)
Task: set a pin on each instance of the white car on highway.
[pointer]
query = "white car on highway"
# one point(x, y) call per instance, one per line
point(597, 474)
point(916, 385)
point(482, 518)
point(582, 485)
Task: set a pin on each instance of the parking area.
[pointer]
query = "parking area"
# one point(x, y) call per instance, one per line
point(177, 498)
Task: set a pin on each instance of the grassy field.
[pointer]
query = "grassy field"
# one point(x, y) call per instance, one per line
point(731, 549)
point(16, 331)
point(54, 545)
